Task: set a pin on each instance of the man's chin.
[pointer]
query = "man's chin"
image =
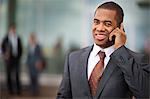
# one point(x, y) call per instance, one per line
point(103, 44)
point(100, 42)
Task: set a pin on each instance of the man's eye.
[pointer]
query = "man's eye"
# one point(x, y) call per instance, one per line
point(96, 21)
point(107, 24)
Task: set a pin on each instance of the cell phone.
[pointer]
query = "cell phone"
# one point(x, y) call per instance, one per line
point(113, 39)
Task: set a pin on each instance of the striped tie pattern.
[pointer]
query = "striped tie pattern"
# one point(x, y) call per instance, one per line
point(97, 73)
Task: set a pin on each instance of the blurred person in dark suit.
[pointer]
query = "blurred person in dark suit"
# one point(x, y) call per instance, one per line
point(107, 69)
point(12, 51)
point(0, 49)
point(146, 45)
point(34, 58)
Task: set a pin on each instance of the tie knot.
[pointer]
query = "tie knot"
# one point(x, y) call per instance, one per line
point(102, 55)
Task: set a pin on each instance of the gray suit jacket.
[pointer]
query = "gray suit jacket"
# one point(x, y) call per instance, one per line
point(126, 74)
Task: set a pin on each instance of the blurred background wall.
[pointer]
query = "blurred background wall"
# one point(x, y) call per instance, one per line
point(65, 25)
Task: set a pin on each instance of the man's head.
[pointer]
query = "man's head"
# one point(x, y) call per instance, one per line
point(115, 7)
point(32, 39)
point(12, 29)
point(107, 17)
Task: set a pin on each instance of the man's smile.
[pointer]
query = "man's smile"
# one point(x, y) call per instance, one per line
point(100, 36)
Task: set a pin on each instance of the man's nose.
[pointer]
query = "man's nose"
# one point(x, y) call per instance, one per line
point(100, 27)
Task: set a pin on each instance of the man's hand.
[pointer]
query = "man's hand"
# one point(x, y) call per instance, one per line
point(120, 37)
point(6, 55)
point(39, 65)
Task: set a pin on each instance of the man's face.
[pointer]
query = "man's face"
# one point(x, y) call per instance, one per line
point(13, 30)
point(103, 24)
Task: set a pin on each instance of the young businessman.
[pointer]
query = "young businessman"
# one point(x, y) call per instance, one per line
point(12, 52)
point(117, 73)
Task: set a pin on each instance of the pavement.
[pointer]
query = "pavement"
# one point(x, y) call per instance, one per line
point(49, 84)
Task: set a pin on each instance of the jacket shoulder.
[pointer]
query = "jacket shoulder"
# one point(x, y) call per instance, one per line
point(139, 57)
point(125, 54)
point(80, 51)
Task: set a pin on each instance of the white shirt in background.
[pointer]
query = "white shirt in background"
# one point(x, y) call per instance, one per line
point(13, 40)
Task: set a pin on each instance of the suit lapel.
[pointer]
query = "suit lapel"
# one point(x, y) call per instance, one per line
point(84, 62)
point(106, 75)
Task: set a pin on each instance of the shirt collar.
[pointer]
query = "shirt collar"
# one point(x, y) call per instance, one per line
point(108, 51)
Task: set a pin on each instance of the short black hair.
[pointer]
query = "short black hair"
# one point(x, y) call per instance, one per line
point(113, 6)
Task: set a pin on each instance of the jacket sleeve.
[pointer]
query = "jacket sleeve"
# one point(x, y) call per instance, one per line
point(20, 50)
point(64, 91)
point(3, 46)
point(38, 52)
point(136, 69)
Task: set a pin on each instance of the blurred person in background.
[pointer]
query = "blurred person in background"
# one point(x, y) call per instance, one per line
point(147, 46)
point(107, 69)
point(34, 63)
point(0, 49)
point(58, 55)
point(12, 52)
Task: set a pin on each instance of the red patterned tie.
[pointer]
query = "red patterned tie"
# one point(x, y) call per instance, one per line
point(97, 73)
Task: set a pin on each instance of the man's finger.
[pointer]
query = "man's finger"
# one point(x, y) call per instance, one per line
point(122, 28)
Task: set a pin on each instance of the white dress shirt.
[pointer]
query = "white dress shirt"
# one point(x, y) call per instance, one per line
point(94, 57)
point(14, 42)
